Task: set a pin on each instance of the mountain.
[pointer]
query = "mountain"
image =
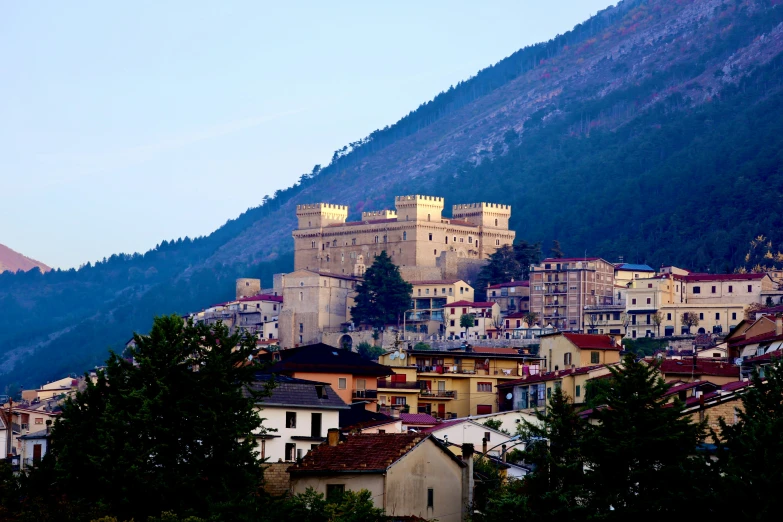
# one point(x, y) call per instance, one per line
point(653, 131)
point(12, 261)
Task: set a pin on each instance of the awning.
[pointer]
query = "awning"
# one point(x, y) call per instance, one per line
point(642, 311)
point(749, 351)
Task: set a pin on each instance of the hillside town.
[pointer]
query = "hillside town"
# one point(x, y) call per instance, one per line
point(404, 408)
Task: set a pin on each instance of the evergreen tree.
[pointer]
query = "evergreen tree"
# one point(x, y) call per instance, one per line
point(556, 251)
point(383, 296)
point(751, 455)
point(556, 490)
point(168, 429)
point(642, 452)
point(507, 263)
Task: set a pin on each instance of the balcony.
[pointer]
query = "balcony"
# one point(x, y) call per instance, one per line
point(438, 394)
point(363, 395)
point(383, 383)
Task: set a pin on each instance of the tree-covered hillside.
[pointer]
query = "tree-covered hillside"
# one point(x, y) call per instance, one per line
point(652, 131)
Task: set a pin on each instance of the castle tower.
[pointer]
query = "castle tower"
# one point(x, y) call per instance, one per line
point(247, 287)
point(488, 215)
point(378, 214)
point(419, 208)
point(319, 215)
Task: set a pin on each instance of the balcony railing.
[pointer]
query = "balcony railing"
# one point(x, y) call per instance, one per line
point(438, 394)
point(365, 394)
point(382, 383)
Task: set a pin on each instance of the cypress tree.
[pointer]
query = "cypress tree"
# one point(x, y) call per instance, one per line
point(383, 296)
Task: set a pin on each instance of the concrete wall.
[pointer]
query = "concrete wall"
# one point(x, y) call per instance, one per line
point(408, 480)
point(372, 482)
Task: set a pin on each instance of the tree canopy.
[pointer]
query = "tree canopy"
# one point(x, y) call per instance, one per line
point(383, 296)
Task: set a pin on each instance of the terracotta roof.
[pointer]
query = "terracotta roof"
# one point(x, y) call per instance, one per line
point(549, 376)
point(461, 222)
point(702, 367)
point(483, 304)
point(366, 452)
point(689, 385)
point(262, 297)
point(510, 284)
point(761, 338)
point(568, 259)
point(418, 418)
point(723, 277)
point(592, 341)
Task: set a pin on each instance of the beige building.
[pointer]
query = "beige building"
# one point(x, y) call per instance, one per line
point(423, 243)
point(429, 300)
point(313, 303)
point(486, 319)
point(407, 475)
point(533, 392)
point(451, 384)
point(560, 289)
point(572, 350)
point(513, 296)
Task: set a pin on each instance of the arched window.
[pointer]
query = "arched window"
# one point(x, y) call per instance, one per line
point(376, 239)
point(428, 217)
point(301, 296)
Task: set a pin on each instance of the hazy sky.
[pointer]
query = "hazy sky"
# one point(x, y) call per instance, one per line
point(126, 123)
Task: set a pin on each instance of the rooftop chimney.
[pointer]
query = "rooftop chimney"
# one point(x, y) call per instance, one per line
point(467, 479)
point(333, 436)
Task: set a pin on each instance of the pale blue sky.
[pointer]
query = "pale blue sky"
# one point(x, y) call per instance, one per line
point(126, 123)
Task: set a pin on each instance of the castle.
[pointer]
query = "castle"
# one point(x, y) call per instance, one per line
point(423, 243)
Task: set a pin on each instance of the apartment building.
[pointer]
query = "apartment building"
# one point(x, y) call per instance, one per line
point(486, 319)
point(560, 289)
point(512, 297)
point(563, 350)
point(427, 314)
point(415, 235)
point(533, 392)
point(449, 384)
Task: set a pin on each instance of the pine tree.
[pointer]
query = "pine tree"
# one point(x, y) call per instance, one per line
point(751, 455)
point(642, 452)
point(169, 431)
point(556, 489)
point(383, 296)
point(556, 252)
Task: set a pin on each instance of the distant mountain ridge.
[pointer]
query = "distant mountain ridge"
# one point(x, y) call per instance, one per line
point(654, 131)
point(12, 261)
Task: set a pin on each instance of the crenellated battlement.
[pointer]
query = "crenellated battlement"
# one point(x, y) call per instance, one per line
point(321, 206)
point(378, 214)
point(414, 199)
point(484, 214)
point(481, 206)
point(316, 215)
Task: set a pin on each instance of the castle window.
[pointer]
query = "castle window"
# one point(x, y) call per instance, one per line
point(309, 224)
point(462, 240)
point(327, 258)
point(404, 236)
point(313, 244)
point(384, 239)
point(430, 237)
point(376, 239)
point(334, 243)
point(301, 296)
point(323, 246)
point(470, 239)
point(353, 241)
point(428, 217)
point(435, 252)
point(497, 242)
point(496, 222)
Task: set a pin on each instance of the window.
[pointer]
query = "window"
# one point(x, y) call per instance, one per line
point(648, 300)
point(696, 289)
point(315, 425)
point(750, 288)
point(549, 393)
point(470, 239)
point(484, 387)
point(290, 419)
point(320, 391)
point(430, 498)
point(483, 409)
point(430, 237)
point(633, 301)
point(399, 401)
point(497, 242)
point(376, 239)
point(335, 492)
point(731, 288)
point(435, 252)
point(567, 359)
point(595, 357)
point(733, 316)
point(717, 316)
point(452, 322)
point(714, 289)
point(487, 435)
point(701, 316)
point(578, 392)
point(669, 317)
point(649, 285)
point(341, 383)
point(290, 452)
point(361, 384)
point(301, 327)
point(312, 244)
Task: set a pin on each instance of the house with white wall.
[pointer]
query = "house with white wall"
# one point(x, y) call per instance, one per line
point(466, 430)
point(300, 411)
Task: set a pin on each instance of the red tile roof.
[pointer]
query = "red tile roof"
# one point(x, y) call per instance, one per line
point(511, 284)
point(443, 425)
point(262, 297)
point(702, 367)
point(364, 452)
point(471, 305)
point(723, 277)
point(488, 350)
point(592, 341)
point(549, 376)
point(461, 222)
point(417, 418)
point(765, 337)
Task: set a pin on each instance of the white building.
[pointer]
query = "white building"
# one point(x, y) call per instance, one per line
point(301, 412)
point(467, 430)
point(33, 447)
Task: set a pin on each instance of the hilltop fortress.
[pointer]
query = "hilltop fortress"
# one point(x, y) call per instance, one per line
point(423, 243)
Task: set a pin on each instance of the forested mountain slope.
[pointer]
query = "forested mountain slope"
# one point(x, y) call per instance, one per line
point(652, 131)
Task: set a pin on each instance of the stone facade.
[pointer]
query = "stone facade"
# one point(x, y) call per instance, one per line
point(415, 235)
point(277, 481)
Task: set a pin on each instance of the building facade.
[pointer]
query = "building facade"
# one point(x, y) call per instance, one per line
point(560, 289)
point(415, 235)
point(512, 297)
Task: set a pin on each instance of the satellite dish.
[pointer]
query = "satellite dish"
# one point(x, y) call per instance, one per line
point(393, 356)
point(402, 356)
point(738, 361)
point(509, 396)
point(250, 357)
